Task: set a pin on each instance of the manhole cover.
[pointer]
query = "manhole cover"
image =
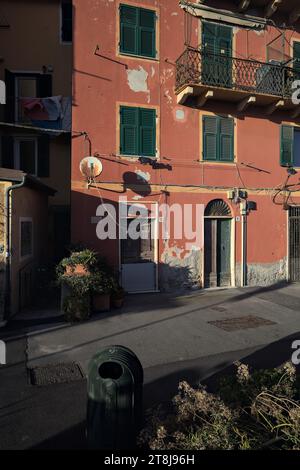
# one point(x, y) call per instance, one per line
point(56, 374)
point(241, 323)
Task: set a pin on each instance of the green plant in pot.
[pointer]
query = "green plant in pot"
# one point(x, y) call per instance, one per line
point(85, 276)
point(76, 302)
point(74, 276)
point(79, 263)
point(103, 285)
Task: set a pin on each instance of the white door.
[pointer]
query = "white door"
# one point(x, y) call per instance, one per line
point(138, 259)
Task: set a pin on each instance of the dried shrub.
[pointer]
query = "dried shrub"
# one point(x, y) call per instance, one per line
point(250, 411)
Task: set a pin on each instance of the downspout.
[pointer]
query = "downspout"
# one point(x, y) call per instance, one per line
point(7, 298)
point(244, 244)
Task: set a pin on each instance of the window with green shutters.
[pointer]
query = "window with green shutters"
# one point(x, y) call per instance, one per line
point(290, 146)
point(218, 139)
point(137, 31)
point(138, 131)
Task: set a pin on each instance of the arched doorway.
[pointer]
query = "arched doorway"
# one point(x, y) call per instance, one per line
point(217, 244)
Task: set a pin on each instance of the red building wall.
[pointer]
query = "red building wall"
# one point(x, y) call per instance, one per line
point(105, 79)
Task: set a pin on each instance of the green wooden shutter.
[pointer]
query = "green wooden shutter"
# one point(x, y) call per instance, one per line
point(43, 156)
point(226, 136)
point(209, 35)
point(129, 130)
point(147, 33)
point(7, 151)
point(128, 29)
point(147, 130)
point(287, 146)
point(210, 141)
point(225, 32)
point(297, 56)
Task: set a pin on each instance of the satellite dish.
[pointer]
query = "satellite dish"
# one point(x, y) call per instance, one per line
point(91, 167)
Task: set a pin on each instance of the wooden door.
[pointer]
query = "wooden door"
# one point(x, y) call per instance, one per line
point(217, 256)
point(217, 55)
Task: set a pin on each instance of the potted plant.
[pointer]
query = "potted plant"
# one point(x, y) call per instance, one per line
point(74, 276)
point(76, 301)
point(118, 297)
point(85, 279)
point(102, 286)
point(79, 263)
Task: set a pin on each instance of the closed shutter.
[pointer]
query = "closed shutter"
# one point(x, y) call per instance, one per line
point(129, 29)
point(216, 38)
point(44, 86)
point(226, 139)
point(43, 156)
point(210, 141)
point(147, 132)
point(67, 17)
point(7, 152)
point(147, 33)
point(10, 96)
point(209, 30)
point(209, 34)
point(287, 146)
point(129, 130)
point(297, 56)
point(225, 32)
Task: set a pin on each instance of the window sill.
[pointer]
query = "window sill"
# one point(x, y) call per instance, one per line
point(135, 157)
point(140, 57)
point(218, 162)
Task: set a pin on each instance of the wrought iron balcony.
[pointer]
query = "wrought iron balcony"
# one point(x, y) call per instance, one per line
point(232, 79)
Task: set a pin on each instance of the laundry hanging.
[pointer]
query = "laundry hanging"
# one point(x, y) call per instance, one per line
point(42, 109)
point(54, 112)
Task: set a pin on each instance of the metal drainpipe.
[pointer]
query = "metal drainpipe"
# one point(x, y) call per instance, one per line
point(8, 248)
point(244, 243)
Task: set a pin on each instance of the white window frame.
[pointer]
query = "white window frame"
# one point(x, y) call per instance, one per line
point(19, 76)
point(17, 140)
point(29, 256)
point(63, 43)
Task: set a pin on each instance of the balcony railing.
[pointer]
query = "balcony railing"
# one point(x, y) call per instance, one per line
point(195, 67)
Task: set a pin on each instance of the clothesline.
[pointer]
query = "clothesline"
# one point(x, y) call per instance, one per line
point(41, 129)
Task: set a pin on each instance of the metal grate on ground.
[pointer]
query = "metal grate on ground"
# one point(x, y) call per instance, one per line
point(56, 374)
point(241, 323)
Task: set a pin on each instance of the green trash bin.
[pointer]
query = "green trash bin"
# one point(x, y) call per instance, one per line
point(115, 388)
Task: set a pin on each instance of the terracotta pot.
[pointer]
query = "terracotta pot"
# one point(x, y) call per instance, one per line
point(101, 302)
point(79, 269)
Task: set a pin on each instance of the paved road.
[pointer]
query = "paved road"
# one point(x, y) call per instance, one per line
point(172, 337)
point(162, 329)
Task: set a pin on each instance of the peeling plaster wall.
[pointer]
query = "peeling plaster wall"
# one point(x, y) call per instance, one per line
point(263, 274)
point(137, 80)
point(178, 272)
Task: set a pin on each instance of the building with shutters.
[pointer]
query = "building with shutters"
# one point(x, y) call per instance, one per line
point(35, 122)
point(36, 64)
point(190, 103)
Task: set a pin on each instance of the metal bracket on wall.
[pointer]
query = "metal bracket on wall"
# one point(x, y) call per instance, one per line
point(108, 58)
